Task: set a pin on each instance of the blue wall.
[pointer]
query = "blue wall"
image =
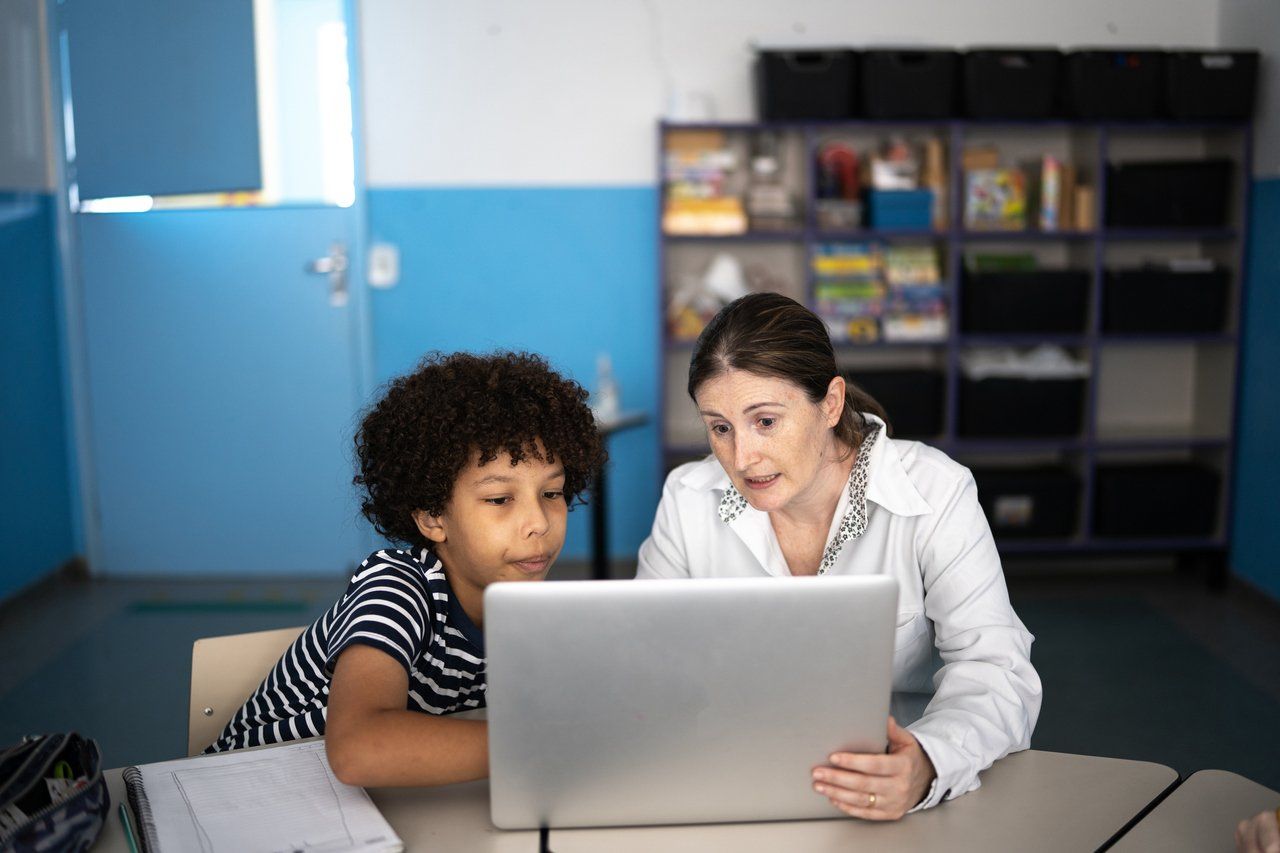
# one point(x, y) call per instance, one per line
point(568, 273)
point(1255, 537)
point(35, 502)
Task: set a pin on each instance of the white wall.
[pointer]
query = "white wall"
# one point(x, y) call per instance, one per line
point(24, 135)
point(566, 92)
point(1256, 24)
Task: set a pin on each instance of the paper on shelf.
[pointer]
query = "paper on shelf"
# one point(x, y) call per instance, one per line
point(1043, 362)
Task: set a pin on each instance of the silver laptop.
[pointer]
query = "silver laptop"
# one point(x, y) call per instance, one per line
point(680, 701)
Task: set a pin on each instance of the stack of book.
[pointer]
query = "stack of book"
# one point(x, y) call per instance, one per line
point(917, 307)
point(866, 292)
point(697, 169)
point(849, 290)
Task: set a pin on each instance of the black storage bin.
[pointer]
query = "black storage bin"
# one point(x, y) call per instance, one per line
point(1173, 499)
point(1002, 407)
point(798, 85)
point(1203, 85)
point(910, 84)
point(1114, 84)
point(1169, 194)
point(911, 398)
point(1159, 299)
point(1011, 83)
point(1047, 301)
point(1041, 502)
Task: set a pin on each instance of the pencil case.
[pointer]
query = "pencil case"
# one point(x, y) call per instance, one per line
point(53, 797)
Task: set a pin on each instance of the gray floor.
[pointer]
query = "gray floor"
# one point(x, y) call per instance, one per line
point(1142, 665)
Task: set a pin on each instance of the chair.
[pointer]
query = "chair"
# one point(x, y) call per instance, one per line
point(224, 673)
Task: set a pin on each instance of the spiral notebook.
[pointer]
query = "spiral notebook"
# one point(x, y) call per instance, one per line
point(275, 800)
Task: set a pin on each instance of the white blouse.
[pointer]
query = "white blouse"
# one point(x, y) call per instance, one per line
point(962, 676)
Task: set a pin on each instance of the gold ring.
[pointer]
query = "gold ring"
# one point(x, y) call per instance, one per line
point(871, 802)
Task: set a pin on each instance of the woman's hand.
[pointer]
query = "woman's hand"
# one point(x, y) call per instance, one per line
point(878, 787)
point(1260, 833)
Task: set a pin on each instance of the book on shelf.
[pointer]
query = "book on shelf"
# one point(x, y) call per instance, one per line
point(866, 292)
point(921, 328)
point(704, 217)
point(1050, 214)
point(697, 170)
point(911, 265)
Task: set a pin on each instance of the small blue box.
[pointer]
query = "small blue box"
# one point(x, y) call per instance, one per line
point(910, 209)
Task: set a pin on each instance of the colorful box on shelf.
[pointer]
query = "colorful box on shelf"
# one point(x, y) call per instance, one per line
point(995, 200)
point(906, 209)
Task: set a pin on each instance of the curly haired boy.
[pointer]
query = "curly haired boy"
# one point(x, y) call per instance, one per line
point(473, 462)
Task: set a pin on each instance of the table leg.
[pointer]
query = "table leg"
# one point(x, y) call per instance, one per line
point(599, 527)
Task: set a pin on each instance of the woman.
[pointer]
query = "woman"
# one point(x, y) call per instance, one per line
point(805, 480)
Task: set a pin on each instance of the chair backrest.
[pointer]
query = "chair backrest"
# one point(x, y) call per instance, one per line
point(224, 673)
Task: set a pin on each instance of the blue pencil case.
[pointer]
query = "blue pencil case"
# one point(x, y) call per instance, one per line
point(53, 797)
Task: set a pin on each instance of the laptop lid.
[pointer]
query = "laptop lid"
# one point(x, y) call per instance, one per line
point(680, 701)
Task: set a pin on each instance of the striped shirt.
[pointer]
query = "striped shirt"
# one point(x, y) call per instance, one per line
point(398, 602)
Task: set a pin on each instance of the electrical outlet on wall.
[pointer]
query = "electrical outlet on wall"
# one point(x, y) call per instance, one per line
point(384, 265)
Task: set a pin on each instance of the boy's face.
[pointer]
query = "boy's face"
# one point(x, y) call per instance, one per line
point(503, 522)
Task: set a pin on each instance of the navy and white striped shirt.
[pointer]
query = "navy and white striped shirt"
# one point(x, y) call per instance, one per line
point(399, 602)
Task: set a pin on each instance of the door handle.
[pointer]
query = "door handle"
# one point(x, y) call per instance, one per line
point(334, 265)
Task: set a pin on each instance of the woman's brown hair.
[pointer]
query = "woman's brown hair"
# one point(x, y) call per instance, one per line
point(769, 334)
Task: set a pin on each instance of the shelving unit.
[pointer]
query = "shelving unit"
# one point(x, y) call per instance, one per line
point(1157, 395)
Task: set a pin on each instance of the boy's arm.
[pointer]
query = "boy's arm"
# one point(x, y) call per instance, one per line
point(372, 740)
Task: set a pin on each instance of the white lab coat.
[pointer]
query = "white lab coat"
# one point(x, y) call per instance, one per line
point(962, 676)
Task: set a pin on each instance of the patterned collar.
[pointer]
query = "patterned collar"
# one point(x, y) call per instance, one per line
point(854, 522)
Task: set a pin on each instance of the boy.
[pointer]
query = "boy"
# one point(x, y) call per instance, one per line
point(474, 462)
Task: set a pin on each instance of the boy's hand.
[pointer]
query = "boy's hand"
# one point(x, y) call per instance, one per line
point(878, 787)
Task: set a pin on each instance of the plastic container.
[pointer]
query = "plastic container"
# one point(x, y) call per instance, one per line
point(1047, 301)
point(1012, 83)
point(1169, 194)
point(1165, 300)
point(910, 84)
point(1204, 85)
point(912, 398)
point(1005, 393)
point(1036, 502)
point(798, 85)
point(1168, 499)
point(1114, 84)
point(907, 209)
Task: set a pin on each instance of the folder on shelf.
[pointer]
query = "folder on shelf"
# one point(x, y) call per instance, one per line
point(281, 798)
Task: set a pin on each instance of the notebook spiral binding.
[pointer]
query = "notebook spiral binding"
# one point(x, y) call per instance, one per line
point(141, 809)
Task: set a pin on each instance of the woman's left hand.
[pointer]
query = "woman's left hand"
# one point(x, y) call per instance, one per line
point(878, 787)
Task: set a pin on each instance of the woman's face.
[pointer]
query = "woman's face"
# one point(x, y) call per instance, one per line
point(771, 439)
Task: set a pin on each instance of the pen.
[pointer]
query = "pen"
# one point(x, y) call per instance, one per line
point(128, 828)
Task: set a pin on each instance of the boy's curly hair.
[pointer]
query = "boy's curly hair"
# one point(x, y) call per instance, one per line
point(413, 443)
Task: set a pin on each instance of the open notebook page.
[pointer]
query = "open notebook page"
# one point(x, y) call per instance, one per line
point(276, 800)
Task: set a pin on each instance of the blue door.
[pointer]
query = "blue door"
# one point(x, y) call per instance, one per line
point(223, 354)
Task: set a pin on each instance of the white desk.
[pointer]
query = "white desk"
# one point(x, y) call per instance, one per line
point(454, 817)
point(1033, 800)
point(1041, 801)
point(1201, 815)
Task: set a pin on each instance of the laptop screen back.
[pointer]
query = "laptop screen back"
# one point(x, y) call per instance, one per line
point(680, 701)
